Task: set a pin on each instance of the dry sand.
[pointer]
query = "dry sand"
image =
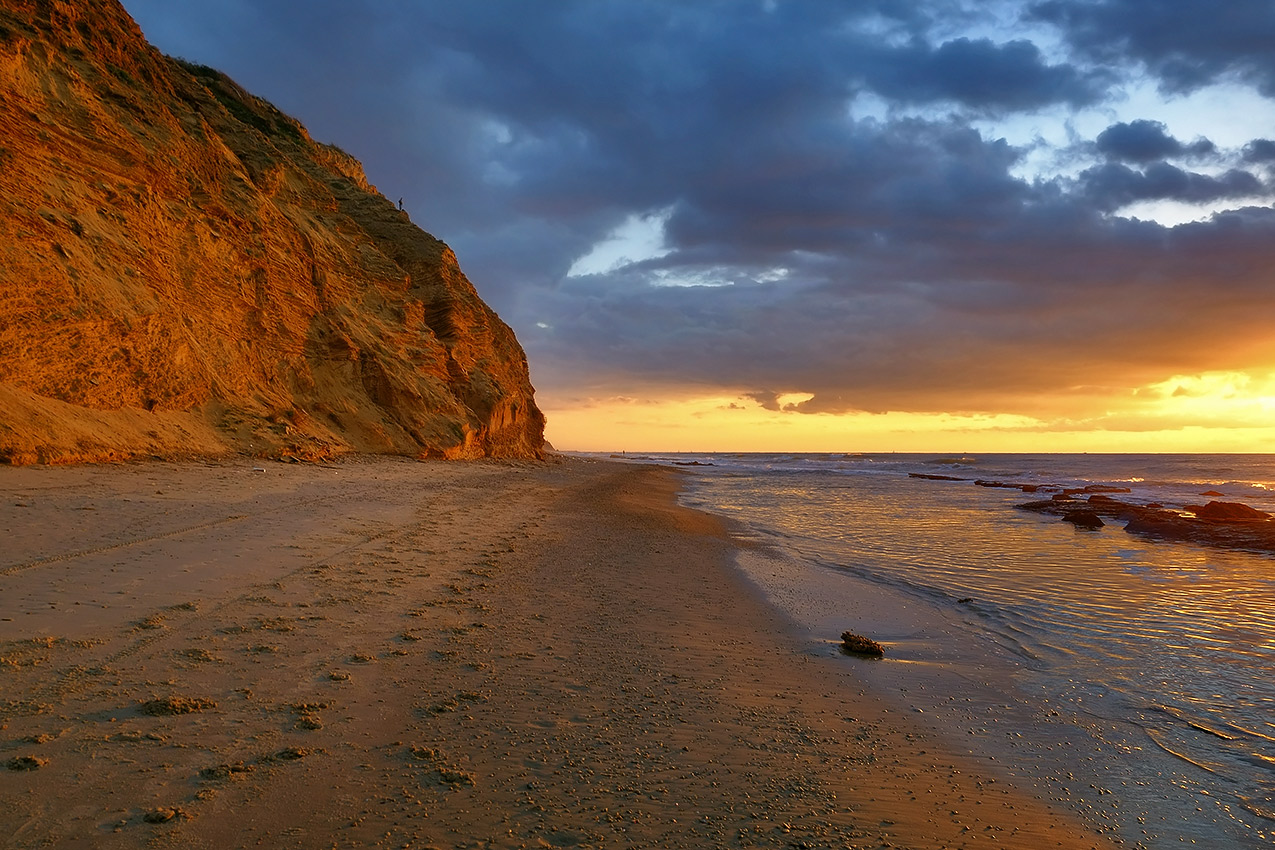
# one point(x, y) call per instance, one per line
point(385, 653)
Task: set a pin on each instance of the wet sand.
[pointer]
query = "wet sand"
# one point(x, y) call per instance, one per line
point(384, 653)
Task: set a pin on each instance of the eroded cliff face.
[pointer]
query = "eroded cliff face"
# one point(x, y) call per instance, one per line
point(183, 270)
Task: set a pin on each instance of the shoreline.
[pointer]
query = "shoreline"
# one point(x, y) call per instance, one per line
point(389, 653)
point(948, 677)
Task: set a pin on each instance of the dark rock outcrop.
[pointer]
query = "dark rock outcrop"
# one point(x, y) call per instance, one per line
point(1025, 488)
point(1229, 525)
point(183, 270)
point(999, 484)
point(1233, 526)
point(1228, 512)
point(1084, 519)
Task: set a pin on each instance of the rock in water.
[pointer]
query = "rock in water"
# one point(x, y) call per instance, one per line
point(1228, 512)
point(1084, 519)
point(183, 270)
point(860, 645)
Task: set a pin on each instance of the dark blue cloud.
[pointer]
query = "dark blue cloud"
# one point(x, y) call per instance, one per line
point(1146, 141)
point(1260, 150)
point(1113, 185)
point(980, 74)
point(1185, 43)
point(869, 188)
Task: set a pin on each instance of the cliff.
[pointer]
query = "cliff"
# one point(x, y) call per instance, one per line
point(183, 270)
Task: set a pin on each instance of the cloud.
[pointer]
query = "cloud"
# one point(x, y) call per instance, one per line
point(981, 74)
point(1118, 303)
point(1145, 141)
point(766, 399)
point(1259, 150)
point(1186, 44)
point(1112, 186)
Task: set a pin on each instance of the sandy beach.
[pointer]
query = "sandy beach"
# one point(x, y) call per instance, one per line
point(387, 653)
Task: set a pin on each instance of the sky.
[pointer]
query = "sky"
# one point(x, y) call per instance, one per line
point(806, 225)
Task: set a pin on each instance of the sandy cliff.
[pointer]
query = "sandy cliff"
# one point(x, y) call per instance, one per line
point(183, 270)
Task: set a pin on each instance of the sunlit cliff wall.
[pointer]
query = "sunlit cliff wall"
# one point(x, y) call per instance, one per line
point(184, 271)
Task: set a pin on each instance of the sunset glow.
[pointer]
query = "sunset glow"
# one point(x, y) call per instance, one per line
point(1222, 412)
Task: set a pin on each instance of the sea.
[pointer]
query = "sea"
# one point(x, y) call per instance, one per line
point(1128, 679)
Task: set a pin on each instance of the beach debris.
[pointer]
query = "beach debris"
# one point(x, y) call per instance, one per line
point(231, 770)
point(240, 769)
point(307, 714)
point(26, 763)
point(854, 644)
point(175, 705)
point(161, 815)
point(965, 600)
point(133, 736)
point(1084, 519)
point(440, 771)
point(154, 621)
point(453, 776)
